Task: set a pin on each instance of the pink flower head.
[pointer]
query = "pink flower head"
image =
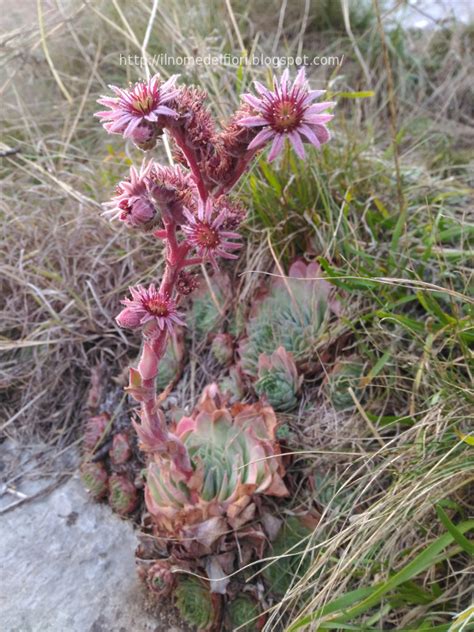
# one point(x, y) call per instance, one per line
point(134, 112)
point(206, 232)
point(287, 112)
point(148, 305)
point(132, 204)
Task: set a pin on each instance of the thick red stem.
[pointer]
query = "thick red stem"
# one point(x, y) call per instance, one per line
point(175, 261)
point(192, 162)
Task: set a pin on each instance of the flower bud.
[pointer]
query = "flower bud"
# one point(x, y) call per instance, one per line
point(128, 318)
point(138, 211)
point(145, 135)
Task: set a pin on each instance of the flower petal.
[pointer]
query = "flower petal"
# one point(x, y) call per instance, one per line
point(261, 138)
point(252, 121)
point(276, 148)
point(310, 135)
point(297, 143)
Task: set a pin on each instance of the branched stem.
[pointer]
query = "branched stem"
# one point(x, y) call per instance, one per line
point(192, 162)
point(176, 260)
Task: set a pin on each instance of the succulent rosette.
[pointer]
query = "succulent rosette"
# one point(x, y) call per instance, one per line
point(160, 578)
point(235, 457)
point(278, 380)
point(222, 348)
point(243, 613)
point(95, 479)
point(197, 605)
point(294, 313)
point(95, 431)
point(122, 494)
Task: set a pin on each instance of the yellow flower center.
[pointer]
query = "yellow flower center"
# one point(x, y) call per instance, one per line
point(157, 307)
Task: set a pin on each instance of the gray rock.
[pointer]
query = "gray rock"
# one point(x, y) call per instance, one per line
point(67, 565)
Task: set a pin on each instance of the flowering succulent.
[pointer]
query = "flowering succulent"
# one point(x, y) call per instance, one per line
point(132, 203)
point(287, 112)
point(196, 604)
point(122, 494)
point(278, 379)
point(94, 478)
point(222, 348)
point(234, 457)
point(206, 472)
point(294, 315)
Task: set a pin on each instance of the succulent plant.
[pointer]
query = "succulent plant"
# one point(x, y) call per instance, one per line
point(344, 374)
point(294, 314)
point(243, 614)
point(122, 494)
point(209, 305)
point(171, 365)
point(96, 430)
point(222, 348)
point(121, 449)
point(278, 380)
point(94, 478)
point(288, 549)
point(160, 579)
point(329, 491)
point(234, 456)
point(231, 385)
point(196, 604)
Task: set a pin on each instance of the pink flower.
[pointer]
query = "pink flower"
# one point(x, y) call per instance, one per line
point(287, 112)
point(132, 204)
point(147, 305)
point(134, 112)
point(206, 232)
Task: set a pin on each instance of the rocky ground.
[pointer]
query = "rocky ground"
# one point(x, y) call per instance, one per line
point(66, 562)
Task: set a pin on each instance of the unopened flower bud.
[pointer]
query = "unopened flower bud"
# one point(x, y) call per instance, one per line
point(137, 211)
point(128, 318)
point(146, 135)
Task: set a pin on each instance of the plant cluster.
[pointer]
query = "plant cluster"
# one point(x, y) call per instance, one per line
point(207, 474)
point(112, 463)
